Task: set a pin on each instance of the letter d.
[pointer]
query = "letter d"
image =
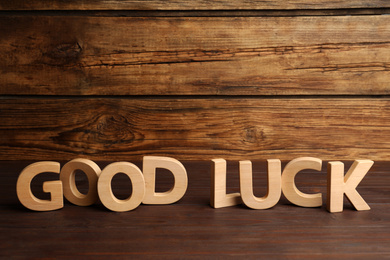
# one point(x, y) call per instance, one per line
point(150, 163)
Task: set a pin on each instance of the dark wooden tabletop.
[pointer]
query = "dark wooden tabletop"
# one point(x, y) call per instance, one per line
point(191, 228)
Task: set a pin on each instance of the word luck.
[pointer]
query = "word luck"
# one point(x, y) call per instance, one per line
point(143, 184)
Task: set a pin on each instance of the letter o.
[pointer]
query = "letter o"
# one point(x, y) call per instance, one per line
point(105, 191)
point(67, 176)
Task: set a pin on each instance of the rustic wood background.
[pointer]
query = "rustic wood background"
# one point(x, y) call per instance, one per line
point(194, 80)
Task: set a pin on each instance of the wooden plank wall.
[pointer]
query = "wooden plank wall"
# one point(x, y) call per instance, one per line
point(194, 80)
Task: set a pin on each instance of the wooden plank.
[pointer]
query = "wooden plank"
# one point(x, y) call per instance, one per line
point(189, 5)
point(194, 129)
point(61, 55)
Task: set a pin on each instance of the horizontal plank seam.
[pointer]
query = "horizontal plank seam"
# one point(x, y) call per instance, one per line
point(194, 96)
point(201, 13)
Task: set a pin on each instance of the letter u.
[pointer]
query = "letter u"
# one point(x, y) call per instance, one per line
point(274, 185)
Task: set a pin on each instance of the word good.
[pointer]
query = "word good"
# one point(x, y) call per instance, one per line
point(143, 184)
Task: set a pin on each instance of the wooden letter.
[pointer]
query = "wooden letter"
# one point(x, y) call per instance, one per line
point(150, 163)
point(105, 191)
point(23, 187)
point(274, 185)
point(67, 176)
point(289, 188)
point(338, 185)
point(219, 198)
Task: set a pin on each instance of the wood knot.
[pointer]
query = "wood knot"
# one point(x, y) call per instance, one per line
point(113, 129)
point(253, 135)
point(63, 54)
point(99, 135)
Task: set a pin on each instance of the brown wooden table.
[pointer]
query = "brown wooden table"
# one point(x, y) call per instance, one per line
point(190, 228)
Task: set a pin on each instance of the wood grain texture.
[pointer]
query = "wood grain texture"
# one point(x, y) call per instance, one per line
point(72, 80)
point(188, 5)
point(191, 229)
point(191, 129)
point(62, 55)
